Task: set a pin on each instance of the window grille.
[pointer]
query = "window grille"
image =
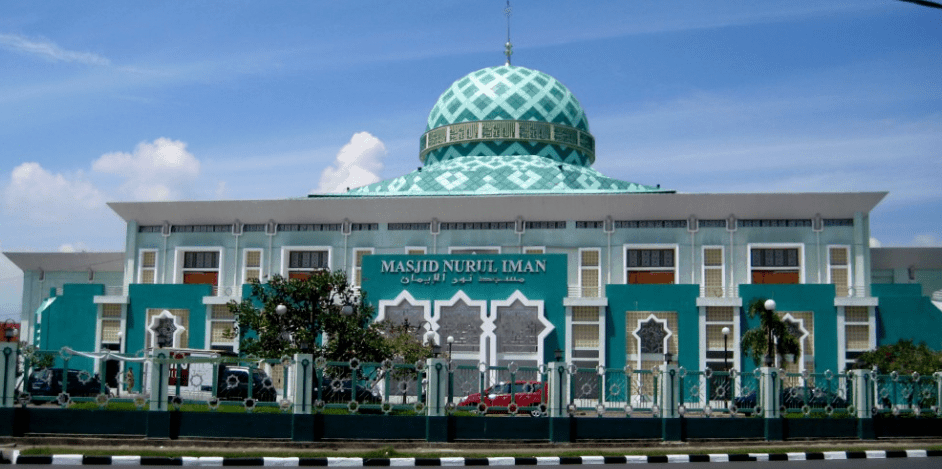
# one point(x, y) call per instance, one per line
point(416, 251)
point(201, 260)
point(364, 226)
point(253, 265)
point(111, 310)
point(148, 266)
point(307, 260)
point(110, 331)
point(713, 275)
point(545, 225)
point(782, 223)
point(183, 319)
point(585, 313)
point(253, 228)
point(651, 258)
point(780, 257)
point(534, 250)
point(358, 265)
point(651, 224)
point(310, 227)
point(409, 226)
point(590, 272)
point(201, 229)
point(711, 223)
point(839, 269)
point(487, 225)
point(589, 225)
point(838, 222)
point(150, 229)
point(585, 335)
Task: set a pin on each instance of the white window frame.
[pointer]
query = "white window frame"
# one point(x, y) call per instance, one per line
point(675, 269)
point(209, 330)
point(122, 344)
point(542, 250)
point(359, 268)
point(842, 324)
point(245, 265)
point(452, 249)
point(733, 344)
point(178, 256)
point(704, 268)
point(597, 269)
point(801, 258)
point(140, 264)
point(287, 250)
point(424, 249)
point(848, 267)
point(571, 322)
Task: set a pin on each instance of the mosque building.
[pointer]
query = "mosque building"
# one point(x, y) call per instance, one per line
point(507, 239)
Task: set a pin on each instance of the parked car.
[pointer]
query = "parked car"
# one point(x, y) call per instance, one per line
point(525, 394)
point(794, 398)
point(48, 382)
point(337, 390)
point(233, 384)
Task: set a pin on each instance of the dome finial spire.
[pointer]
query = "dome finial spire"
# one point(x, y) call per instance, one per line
point(508, 48)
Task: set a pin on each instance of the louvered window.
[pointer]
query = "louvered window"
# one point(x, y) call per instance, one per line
point(589, 273)
point(148, 266)
point(358, 264)
point(713, 273)
point(252, 265)
point(839, 269)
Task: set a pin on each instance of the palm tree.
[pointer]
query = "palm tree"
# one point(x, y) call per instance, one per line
point(772, 333)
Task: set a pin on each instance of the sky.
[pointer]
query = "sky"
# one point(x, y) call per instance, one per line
point(164, 100)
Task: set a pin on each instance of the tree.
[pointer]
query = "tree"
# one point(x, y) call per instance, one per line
point(320, 304)
point(903, 357)
point(755, 342)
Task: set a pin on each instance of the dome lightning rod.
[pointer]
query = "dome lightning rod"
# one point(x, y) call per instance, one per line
point(508, 48)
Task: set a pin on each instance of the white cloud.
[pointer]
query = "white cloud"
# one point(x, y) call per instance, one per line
point(162, 170)
point(927, 241)
point(875, 243)
point(49, 50)
point(36, 195)
point(73, 247)
point(358, 163)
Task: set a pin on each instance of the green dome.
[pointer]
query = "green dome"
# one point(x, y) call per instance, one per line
point(507, 108)
point(508, 93)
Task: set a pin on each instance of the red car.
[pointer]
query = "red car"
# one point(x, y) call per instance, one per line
point(530, 394)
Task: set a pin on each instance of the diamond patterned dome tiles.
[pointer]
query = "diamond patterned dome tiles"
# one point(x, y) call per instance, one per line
point(500, 174)
point(508, 93)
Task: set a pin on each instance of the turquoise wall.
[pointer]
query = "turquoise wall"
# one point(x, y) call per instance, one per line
point(904, 313)
point(679, 298)
point(818, 299)
point(70, 321)
point(549, 286)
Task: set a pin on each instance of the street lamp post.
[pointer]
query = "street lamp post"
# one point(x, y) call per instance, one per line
point(450, 340)
point(726, 363)
point(769, 358)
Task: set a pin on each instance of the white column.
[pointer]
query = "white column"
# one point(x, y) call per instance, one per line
point(303, 383)
point(159, 375)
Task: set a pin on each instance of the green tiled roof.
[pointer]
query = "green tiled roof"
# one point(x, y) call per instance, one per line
point(507, 93)
point(500, 174)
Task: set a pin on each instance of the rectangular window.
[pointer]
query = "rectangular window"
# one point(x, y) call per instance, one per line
point(856, 332)
point(534, 250)
point(221, 329)
point(775, 265)
point(416, 250)
point(358, 264)
point(713, 273)
point(720, 347)
point(589, 273)
point(302, 263)
point(251, 265)
point(839, 269)
point(650, 266)
point(201, 267)
point(111, 324)
point(586, 336)
point(147, 272)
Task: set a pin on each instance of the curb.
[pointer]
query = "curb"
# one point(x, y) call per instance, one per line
point(78, 459)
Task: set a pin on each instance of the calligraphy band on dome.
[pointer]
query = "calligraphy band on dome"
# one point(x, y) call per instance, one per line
point(507, 130)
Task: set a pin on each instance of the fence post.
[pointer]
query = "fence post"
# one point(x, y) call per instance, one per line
point(558, 382)
point(863, 400)
point(8, 373)
point(771, 394)
point(671, 426)
point(159, 374)
point(303, 383)
point(436, 423)
point(560, 424)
